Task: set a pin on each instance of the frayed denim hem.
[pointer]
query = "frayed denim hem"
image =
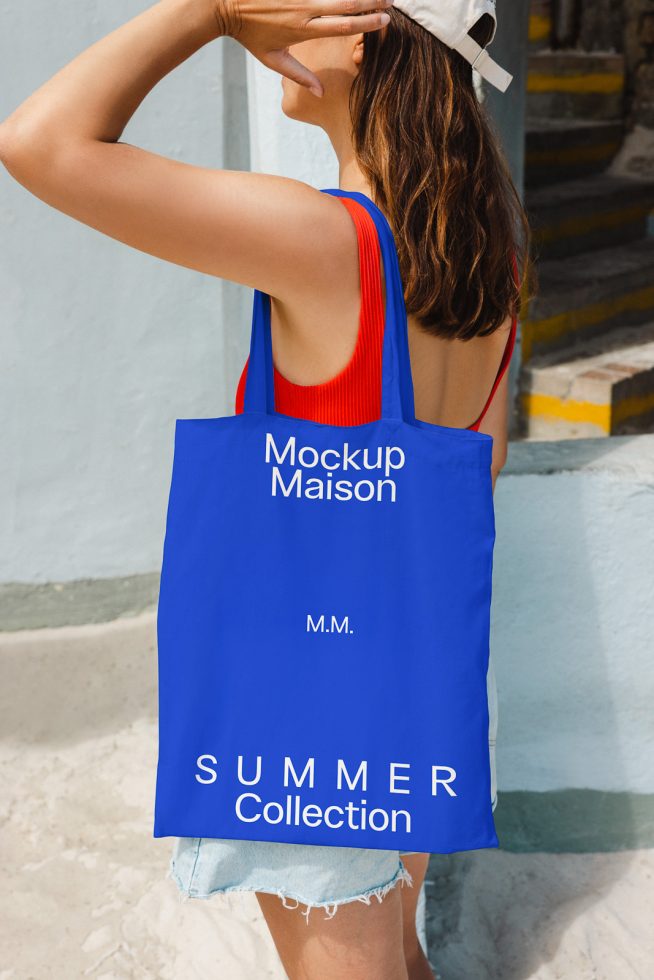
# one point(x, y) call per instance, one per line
point(402, 875)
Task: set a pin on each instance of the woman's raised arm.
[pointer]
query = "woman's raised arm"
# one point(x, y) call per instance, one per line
point(63, 144)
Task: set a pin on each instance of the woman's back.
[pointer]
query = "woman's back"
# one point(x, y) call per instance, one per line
point(334, 375)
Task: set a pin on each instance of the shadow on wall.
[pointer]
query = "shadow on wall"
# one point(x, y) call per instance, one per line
point(522, 917)
point(566, 638)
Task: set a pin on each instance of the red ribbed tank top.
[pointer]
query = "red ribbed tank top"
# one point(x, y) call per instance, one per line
point(353, 396)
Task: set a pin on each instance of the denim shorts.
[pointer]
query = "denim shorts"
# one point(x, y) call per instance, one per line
point(312, 875)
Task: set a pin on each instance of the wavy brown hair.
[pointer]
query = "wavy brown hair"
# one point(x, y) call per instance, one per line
point(436, 169)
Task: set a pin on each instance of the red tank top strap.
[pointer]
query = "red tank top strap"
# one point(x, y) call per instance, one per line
point(506, 358)
point(353, 396)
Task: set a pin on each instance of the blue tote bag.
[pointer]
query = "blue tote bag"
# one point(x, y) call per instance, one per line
point(323, 619)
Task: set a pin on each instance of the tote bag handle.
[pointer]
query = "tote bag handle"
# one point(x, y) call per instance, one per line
point(397, 382)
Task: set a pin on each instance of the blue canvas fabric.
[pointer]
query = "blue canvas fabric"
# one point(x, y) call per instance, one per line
point(311, 572)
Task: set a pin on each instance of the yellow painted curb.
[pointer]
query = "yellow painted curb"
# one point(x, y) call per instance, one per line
point(574, 154)
point(551, 328)
point(591, 222)
point(604, 417)
point(539, 27)
point(604, 83)
point(549, 406)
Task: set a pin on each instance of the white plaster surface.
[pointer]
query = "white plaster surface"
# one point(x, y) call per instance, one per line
point(102, 346)
point(573, 616)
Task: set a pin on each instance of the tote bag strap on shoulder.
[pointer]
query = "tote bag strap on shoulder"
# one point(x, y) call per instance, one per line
point(397, 383)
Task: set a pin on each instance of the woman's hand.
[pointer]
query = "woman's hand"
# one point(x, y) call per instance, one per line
point(267, 28)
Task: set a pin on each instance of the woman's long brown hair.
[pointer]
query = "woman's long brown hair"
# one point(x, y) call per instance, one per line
point(436, 169)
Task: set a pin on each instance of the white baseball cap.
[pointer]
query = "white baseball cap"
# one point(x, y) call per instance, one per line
point(450, 21)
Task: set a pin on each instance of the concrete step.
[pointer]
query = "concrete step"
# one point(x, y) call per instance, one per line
point(601, 388)
point(587, 213)
point(540, 24)
point(565, 149)
point(575, 84)
point(587, 295)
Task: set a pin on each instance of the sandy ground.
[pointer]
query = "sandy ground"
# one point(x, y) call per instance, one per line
point(85, 892)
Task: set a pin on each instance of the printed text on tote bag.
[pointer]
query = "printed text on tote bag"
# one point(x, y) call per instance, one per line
point(383, 459)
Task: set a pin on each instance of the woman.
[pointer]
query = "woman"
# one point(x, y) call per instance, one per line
point(397, 100)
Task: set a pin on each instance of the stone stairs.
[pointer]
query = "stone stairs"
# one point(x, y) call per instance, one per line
point(588, 335)
point(571, 217)
point(563, 149)
point(608, 389)
point(575, 85)
point(589, 294)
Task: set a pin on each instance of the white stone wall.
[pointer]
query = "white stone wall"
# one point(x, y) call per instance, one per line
point(573, 615)
point(102, 346)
